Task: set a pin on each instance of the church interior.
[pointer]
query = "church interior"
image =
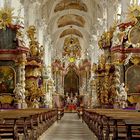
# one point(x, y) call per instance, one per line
point(70, 69)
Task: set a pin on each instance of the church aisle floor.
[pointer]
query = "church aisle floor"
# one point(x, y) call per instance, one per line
point(69, 128)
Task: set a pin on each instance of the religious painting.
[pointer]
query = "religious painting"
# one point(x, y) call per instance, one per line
point(133, 79)
point(133, 35)
point(7, 79)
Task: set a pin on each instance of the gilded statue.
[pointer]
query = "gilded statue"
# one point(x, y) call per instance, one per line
point(34, 45)
point(102, 61)
point(94, 68)
point(135, 60)
point(34, 48)
point(105, 40)
point(31, 32)
point(41, 52)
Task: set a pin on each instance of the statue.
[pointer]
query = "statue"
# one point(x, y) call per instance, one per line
point(33, 44)
point(75, 100)
point(122, 96)
point(20, 96)
point(35, 103)
point(41, 52)
point(68, 100)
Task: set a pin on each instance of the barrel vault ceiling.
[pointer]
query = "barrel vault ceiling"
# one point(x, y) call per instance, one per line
point(70, 18)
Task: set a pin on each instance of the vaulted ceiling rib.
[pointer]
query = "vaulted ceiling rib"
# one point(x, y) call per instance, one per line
point(71, 19)
point(73, 4)
point(67, 13)
point(71, 31)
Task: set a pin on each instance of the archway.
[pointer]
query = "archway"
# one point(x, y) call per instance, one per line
point(71, 83)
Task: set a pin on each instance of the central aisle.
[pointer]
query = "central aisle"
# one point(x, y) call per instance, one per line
point(69, 128)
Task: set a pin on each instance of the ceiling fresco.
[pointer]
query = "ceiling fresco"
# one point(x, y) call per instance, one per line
point(71, 19)
point(71, 32)
point(72, 4)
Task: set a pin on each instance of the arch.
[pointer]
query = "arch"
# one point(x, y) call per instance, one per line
point(71, 82)
point(53, 25)
point(71, 19)
point(73, 4)
point(71, 31)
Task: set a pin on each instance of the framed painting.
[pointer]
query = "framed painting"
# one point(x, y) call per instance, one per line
point(7, 79)
point(133, 79)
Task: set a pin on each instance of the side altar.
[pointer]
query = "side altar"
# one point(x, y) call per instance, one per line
point(12, 59)
point(35, 83)
point(117, 76)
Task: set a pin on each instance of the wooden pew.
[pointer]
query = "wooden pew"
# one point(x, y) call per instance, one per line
point(131, 132)
point(60, 113)
point(104, 122)
point(80, 113)
point(31, 123)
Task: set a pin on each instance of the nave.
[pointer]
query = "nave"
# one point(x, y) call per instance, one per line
point(70, 127)
point(69, 56)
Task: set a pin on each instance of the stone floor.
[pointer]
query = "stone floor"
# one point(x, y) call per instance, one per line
point(69, 128)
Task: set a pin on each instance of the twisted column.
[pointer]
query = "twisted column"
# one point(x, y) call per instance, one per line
point(117, 76)
point(21, 76)
point(116, 85)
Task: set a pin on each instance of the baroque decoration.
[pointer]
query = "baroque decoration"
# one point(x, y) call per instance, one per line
point(6, 17)
point(13, 54)
point(122, 47)
point(72, 48)
point(35, 87)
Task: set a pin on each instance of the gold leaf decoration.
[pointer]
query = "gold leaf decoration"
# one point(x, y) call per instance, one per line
point(6, 15)
point(133, 12)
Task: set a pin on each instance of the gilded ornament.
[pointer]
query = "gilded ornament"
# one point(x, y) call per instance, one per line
point(105, 40)
point(31, 33)
point(6, 99)
point(107, 67)
point(133, 12)
point(135, 60)
point(72, 48)
point(6, 16)
point(35, 49)
point(94, 68)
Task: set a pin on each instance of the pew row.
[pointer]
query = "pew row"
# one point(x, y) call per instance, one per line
point(27, 124)
point(80, 113)
point(113, 124)
point(60, 113)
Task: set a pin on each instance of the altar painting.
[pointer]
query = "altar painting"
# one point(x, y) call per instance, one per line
point(7, 79)
point(133, 79)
